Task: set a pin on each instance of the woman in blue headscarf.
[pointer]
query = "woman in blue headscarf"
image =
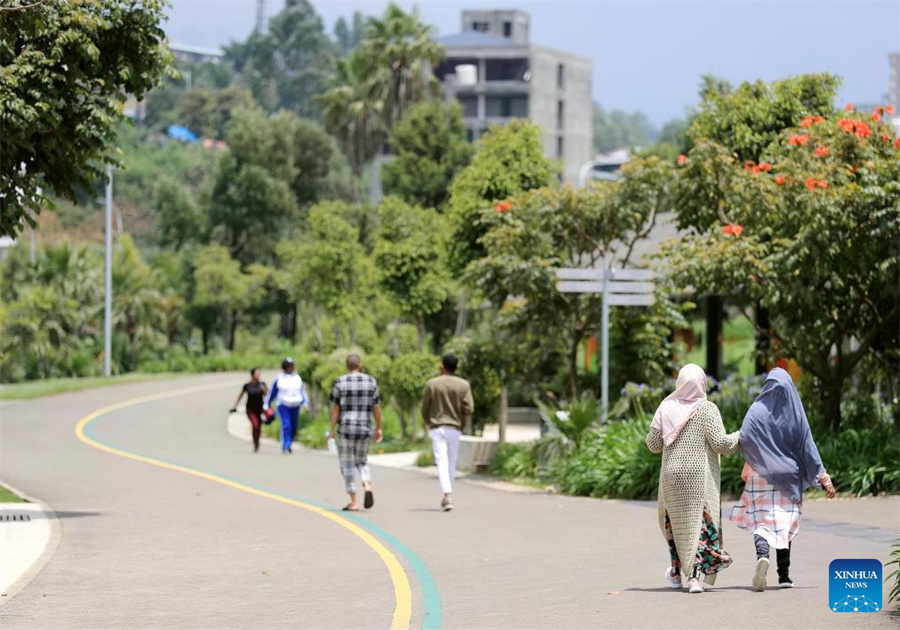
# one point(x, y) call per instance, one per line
point(781, 462)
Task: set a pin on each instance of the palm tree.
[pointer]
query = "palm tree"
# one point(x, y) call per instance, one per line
point(354, 111)
point(403, 51)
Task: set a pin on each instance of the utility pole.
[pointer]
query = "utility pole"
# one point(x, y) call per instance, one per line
point(260, 15)
point(107, 307)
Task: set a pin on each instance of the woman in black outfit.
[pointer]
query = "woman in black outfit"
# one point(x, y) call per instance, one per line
point(256, 392)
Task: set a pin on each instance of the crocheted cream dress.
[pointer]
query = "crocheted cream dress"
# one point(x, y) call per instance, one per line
point(690, 478)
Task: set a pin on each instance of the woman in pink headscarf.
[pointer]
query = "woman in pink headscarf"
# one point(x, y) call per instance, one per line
point(687, 429)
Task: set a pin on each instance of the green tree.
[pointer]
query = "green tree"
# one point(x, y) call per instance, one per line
point(337, 275)
point(207, 112)
point(53, 313)
point(406, 381)
point(349, 36)
point(179, 219)
point(221, 287)
point(533, 233)
point(274, 166)
point(616, 129)
point(138, 311)
point(402, 51)
point(354, 111)
point(806, 229)
point(288, 65)
point(67, 68)
point(509, 160)
point(409, 256)
point(429, 148)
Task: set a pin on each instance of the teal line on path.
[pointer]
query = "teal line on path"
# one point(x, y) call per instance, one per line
point(430, 595)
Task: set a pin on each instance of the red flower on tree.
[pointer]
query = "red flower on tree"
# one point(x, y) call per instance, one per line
point(811, 183)
point(862, 130)
point(822, 151)
point(849, 107)
point(889, 109)
point(897, 143)
point(822, 183)
point(765, 166)
point(876, 116)
point(682, 158)
point(503, 206)
point(806, 122)
point(779, 179)
point(819, 119)
point(732, 229)
point(885, 137)
point(798, 139)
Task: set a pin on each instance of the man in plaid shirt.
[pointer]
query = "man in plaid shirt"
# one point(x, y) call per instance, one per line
point(355, 399)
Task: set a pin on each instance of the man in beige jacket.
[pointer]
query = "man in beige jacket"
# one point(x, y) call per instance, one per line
point(447, 408)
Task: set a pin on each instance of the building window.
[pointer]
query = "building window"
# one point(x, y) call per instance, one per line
point(481, 27)
point(560, 114)
point(560, 76)
point(506, 69)
point(507, 29)
point(559, 146)
point(506, 106)
point(470, 135)
point(469, 106)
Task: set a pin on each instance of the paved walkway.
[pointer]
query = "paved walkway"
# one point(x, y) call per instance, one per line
point(253, 540)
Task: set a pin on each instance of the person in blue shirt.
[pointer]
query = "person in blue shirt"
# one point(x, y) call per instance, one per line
point(288, 395)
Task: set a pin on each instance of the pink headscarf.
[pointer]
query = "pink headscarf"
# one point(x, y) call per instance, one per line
point(674, 411)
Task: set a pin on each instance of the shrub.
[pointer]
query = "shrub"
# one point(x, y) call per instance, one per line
point(515, 461)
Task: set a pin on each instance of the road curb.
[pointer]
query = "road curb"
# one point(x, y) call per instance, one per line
point(50, 546)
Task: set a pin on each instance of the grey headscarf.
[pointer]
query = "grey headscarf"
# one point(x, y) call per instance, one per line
point(776, 440)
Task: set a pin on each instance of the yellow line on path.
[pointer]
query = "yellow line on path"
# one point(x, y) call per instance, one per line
point(402, 591)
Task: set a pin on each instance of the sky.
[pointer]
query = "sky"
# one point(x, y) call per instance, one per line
point(648, 55)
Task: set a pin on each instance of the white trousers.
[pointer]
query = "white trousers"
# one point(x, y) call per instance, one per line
point(445, 441)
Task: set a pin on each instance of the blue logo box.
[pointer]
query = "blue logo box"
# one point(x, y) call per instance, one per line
point(854, 586)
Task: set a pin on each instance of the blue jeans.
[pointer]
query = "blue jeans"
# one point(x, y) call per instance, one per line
point(288, 417)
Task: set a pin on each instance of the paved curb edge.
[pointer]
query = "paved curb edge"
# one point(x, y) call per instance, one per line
point(47, 554)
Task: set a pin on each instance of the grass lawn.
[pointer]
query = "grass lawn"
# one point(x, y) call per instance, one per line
point(50, 386)
point(8, 497)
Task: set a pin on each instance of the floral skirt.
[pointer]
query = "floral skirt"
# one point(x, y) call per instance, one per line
point(711, 558)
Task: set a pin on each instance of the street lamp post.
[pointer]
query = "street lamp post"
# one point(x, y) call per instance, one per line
point(107, 307)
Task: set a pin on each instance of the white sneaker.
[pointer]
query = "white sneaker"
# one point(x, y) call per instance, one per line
point(759, 578)
point(694, 586)
point(673, 578)
point(787, 584)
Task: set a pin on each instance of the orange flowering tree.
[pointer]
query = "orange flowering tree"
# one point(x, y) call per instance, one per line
point(807, 227)
point(529, 235)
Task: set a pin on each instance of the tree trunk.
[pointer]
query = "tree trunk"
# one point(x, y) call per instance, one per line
point(135, 360)
point(420, 328)
point(403, 429)
point(462, 313)
point(714, 336)
point(288, 323)
point(232, 329)
point(504, 409)
point(831, 401)
point(352, 327)
point(204, 336)
point(395, 340)
point(317, 326)
point(763, 340)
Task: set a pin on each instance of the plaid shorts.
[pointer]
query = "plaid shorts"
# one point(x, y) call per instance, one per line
point(763, 509)
point(353, 454)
